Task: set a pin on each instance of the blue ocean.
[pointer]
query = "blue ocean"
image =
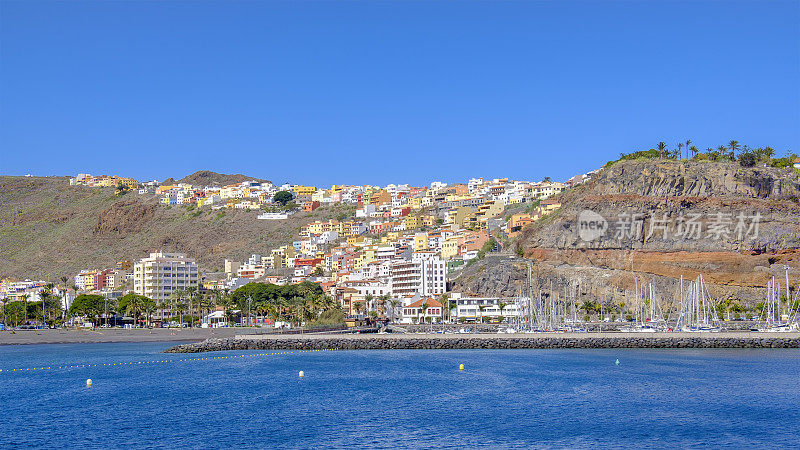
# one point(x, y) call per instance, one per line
point(397, 399)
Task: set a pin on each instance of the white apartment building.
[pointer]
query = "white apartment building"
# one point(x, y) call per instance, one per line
point(475, 309)
point(159, 275)
point(419, 277)
point(546, 189)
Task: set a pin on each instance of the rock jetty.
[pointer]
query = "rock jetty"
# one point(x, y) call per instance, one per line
point(493, 341)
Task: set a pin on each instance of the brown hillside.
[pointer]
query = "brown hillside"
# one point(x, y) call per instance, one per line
point(208, 178)
point(49, 229)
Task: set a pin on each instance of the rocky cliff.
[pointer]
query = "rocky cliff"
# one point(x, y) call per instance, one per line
point(655, 221)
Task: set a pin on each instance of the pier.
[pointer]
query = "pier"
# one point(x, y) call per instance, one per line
point(494, 341)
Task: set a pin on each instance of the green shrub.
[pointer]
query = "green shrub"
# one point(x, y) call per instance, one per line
point(747, 159)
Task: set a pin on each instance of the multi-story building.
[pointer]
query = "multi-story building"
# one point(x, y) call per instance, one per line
point(421, 277)
point(86, 280)
point(161, 274)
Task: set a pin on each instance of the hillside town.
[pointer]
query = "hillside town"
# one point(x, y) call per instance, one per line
point(395, 253)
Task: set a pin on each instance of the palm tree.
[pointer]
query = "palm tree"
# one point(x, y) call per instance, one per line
point(480, 312)
point(191, 291)
point(383, 303)
point(260, 309)
point(444, 300)
point(180, 305)
point(679, 152)
point(502, 307)
point(733, 145)
point(451, 305)
point(423, 308)
point(395, 303)
point(204, 303)
point(134, 307)
point(693, 150)
point(162, 306)
point(688, 143)
point(662, 149)
point(149, 306)
point(272, 310)
point(25, 303)
point(44, 295)
point(368, 301)
point(64, 280)
point(175, 297)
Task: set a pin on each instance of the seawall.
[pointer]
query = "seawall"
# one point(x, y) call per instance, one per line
point(495, 341)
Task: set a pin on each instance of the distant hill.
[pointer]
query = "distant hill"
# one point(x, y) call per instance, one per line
point(209, 178)
point(49, 228)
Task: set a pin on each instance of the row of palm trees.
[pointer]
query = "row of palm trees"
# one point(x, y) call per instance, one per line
point(722, 152)
point(51, 311)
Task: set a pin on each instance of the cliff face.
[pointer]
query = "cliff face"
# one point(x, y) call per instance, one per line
point(654, 221)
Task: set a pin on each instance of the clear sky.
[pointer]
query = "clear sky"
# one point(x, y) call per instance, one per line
point(387, 91)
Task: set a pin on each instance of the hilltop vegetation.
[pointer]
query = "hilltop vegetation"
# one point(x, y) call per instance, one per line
point(732, 152)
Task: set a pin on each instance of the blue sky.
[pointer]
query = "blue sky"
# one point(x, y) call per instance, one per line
point(380, 92)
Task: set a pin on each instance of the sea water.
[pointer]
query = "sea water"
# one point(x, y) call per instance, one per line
point(397, 398)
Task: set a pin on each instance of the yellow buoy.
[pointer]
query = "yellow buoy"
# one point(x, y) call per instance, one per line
point(302, 374)
point(88, 382)
point(461, 367)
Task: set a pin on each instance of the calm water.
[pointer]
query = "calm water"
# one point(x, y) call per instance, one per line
point(516, 398)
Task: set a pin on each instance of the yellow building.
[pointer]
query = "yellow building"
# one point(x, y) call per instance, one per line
point(367, 255)
point(462, 215)
point(428, 220)
point(346, 229)
point(318, 196)
point(355, 240)
point(320, 227)
point(281, 255)
point(420, 241)
point(304, 190)
point(549, 205)
point(88, 280)
point(413, 222)
point(489, 210)
point(450, 247)
point(161, 189)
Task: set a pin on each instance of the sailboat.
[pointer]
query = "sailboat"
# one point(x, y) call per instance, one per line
point(774, 321)
point(697, 309)
point(649, 317)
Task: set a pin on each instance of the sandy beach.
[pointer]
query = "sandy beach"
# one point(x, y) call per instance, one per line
point(69, 336)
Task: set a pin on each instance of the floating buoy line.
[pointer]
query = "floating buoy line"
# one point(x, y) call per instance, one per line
point(159, 361)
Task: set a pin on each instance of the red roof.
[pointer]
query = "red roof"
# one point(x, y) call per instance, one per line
point(431, 303)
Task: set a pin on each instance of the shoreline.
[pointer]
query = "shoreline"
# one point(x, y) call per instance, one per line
point(113, 335)
point(493, 341)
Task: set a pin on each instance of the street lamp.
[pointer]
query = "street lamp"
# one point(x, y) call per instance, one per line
point(249, 320)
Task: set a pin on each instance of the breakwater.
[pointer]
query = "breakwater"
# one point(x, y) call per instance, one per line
point(494, 341)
